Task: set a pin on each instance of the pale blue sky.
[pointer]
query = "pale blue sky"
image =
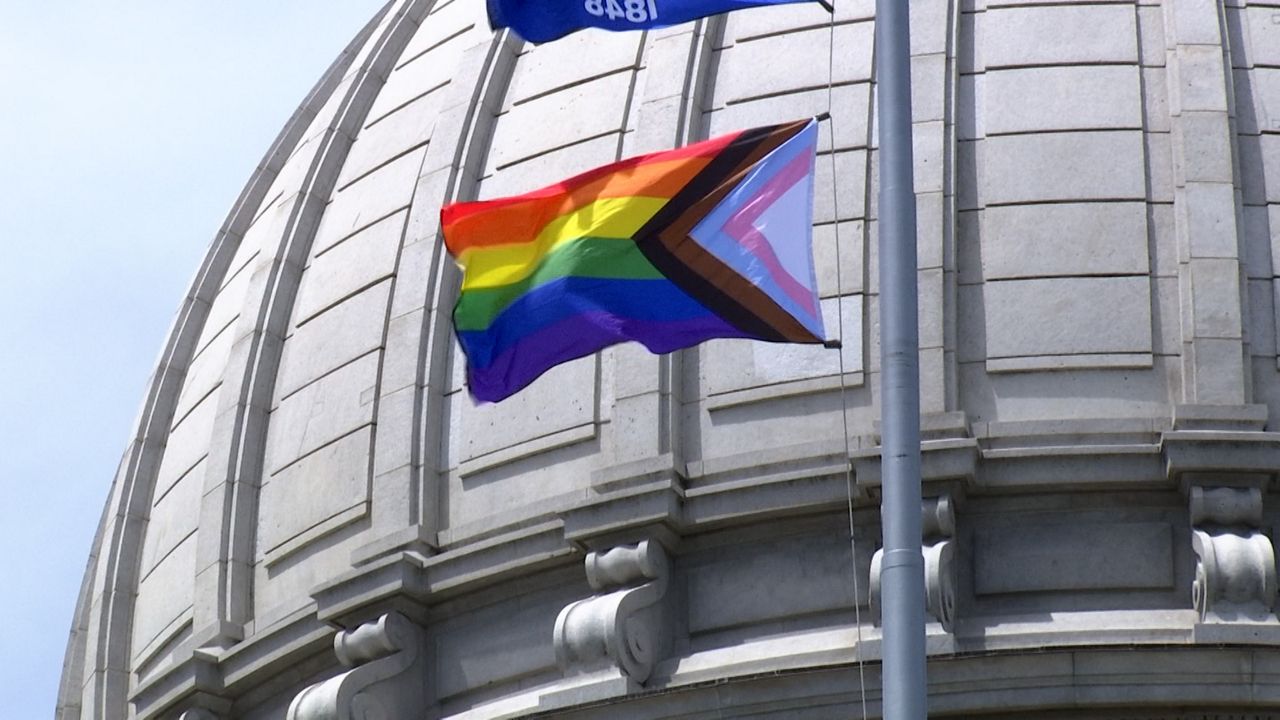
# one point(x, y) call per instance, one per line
point(127, 128)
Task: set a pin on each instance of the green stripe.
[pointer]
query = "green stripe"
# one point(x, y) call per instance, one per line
point(606, 258)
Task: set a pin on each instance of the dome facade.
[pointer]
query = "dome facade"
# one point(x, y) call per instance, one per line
point(314, 520)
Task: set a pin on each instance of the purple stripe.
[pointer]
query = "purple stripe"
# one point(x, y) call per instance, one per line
point(582, 335)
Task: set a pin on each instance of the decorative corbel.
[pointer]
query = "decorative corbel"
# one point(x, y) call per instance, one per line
point(938, 527)
point(379, 683)
point(624, 623)
point(1236, 564)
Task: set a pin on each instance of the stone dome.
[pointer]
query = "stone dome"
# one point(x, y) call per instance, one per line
point(314, 520)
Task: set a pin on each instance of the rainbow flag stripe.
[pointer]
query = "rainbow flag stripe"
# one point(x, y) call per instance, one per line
point(668, 249)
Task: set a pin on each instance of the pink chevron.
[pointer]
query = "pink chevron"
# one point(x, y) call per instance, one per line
point(741, 227)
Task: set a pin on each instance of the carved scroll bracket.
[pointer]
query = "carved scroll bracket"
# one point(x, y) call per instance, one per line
point(938, 527)
point(624, 624)
point(1236, 564)
point(383, 681)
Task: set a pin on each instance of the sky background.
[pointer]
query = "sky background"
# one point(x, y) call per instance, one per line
point(127, 129)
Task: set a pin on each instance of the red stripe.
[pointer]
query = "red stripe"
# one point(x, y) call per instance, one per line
point(451, 214)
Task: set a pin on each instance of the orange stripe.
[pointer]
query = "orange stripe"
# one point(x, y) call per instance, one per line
point(520, 218)
point(522, 222)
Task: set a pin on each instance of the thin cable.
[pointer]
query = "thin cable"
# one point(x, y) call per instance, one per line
point(844, 405)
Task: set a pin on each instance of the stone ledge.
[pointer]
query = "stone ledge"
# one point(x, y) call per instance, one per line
point(774, 678)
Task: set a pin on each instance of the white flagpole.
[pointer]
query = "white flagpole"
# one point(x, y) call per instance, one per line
point(902, 565)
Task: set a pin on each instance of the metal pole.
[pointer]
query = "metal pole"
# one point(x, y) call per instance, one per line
point(902, 566)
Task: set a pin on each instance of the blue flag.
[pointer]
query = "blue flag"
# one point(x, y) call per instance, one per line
point(545, 20)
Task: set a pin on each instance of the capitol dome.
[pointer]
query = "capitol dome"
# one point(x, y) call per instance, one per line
point(314, 520)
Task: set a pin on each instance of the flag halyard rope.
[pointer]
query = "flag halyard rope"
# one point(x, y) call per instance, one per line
point(838, 346)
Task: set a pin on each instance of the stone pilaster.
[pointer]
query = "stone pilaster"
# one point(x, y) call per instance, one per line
point(1206, 206)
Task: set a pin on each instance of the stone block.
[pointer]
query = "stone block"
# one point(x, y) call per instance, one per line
point(849, 110)
point(1087, 97)
point(1255, 242)
point(928, 87)
point(930, 27)
point(402, 362)
point(929, 154)
point(427, 72)
point(303, 496)
point(1160, 161)
point(968, 241)
point(730, 365)
point(333, 338)
point(552, 167)
point(283, 588)
point(500, 642)
point(849, 274)
point(748, 69)
point(396, 444)
point(636, 371)
point(1250, 170)
point(444, 22)
point(1155, 100)
point(1067, 316)
point(931, 294)
point(970, 158)
point(1064, 239)
point(1264, 35)
point(164, 595)
point(970, 112)
point(1208, 215)
point(1273, 221)
point(397, 132)
point(1043, 556)
point(1195, 22)
point(563, 398)
point(930, 231)
point(1257, 93)
point(1201, 79)
point(1104, 165)
point(1151, 35)
point(226, 307)
point(173, 517)
point(1163, 243)
point(1215, 287)
point(205, 372)
point(187, 444)
point(1059, 35)
point(1270, 146)
point(349, 267)
point(969, 54)
point(1165, 324)
point(333, 406)
point(560, 119)
point(850, 192)
point(667, 62)
point(1262, 326)
point(639, 426)
point(971, 330)
point(1202, 143)
point(1217, 371)
point(573, 60)
point(772, 20)
point(808, 573)
point(372, 198)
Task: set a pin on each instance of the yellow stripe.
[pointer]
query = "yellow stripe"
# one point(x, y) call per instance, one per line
point(498, 265)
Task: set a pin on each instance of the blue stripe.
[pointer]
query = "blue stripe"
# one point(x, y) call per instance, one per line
point(553, 302)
